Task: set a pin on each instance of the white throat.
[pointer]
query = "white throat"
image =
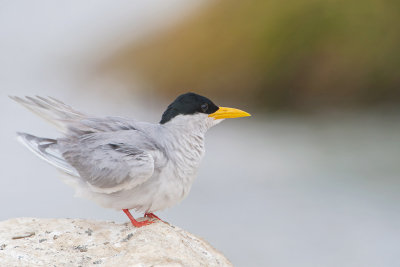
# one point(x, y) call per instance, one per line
point(186, 141)
point(192, 124)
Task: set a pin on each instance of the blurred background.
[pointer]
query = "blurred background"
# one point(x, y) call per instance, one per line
point(311, 179)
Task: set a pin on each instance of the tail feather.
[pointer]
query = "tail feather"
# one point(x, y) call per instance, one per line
point(45, 148)
point(51, 109)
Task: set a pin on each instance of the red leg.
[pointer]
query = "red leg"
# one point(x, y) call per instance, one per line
point(134, 222)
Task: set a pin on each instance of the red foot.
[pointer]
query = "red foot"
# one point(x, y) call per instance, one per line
point(153, 216)
point(134, 222)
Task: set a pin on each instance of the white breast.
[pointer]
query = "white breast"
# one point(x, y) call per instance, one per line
point(177, 177)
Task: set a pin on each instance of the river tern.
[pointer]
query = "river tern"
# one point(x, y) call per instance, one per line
point(125, 164)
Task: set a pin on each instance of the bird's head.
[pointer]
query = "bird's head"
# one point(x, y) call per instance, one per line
point(194, 109)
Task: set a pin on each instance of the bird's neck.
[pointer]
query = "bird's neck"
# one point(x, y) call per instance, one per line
point(186, 134)
point(190, 125)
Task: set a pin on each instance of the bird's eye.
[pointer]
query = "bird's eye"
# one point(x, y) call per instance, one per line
point(204, 107)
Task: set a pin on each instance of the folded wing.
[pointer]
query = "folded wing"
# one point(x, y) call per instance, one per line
point(110, 161)
point(110, 154)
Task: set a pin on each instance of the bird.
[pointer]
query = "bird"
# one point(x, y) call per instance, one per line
point(125, 164)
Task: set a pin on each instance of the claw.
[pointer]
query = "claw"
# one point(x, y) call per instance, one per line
point(153, 216)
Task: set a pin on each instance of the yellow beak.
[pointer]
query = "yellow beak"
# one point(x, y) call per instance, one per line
point(225, 113)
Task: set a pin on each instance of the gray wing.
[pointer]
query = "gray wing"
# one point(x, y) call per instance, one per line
point(51, 109)
point(109, 153)
point(110, 161)
point(69, 120)
point(95, 124)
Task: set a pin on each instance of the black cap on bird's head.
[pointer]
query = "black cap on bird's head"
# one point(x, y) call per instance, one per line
point(191, 103)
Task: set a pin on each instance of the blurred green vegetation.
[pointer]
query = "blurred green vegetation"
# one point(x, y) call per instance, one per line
point(292, 54)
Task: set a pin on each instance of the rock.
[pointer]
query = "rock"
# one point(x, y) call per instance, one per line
point(76, 242)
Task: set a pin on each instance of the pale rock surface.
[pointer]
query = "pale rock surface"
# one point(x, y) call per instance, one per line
point(73, 242)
